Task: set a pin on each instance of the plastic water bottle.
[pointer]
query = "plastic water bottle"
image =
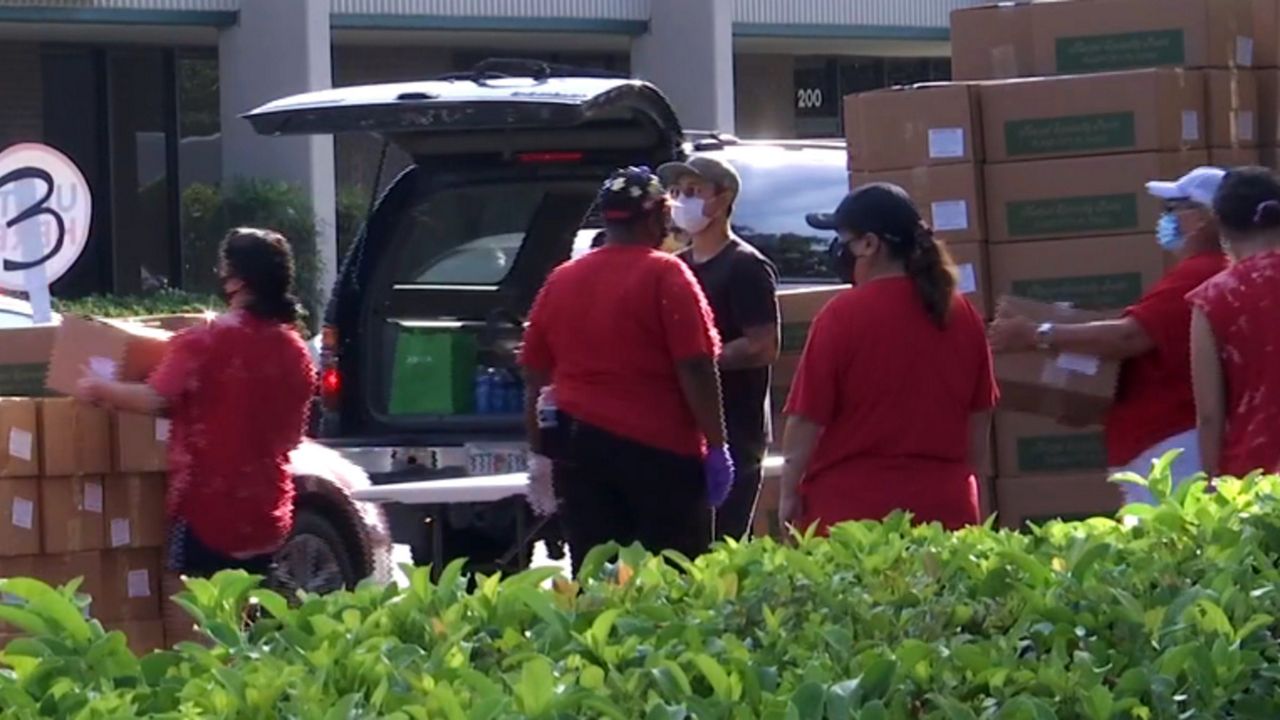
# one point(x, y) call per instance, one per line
point(515, 394)
point(548, 413)
point(484, 390)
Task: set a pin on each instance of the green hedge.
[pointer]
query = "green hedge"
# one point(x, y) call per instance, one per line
point(164, 302)
point(1169, 613)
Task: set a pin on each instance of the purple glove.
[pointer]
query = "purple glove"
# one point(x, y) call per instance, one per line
point(718, 467)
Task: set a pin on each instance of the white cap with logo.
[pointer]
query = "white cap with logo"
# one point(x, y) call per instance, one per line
point(1199, 186)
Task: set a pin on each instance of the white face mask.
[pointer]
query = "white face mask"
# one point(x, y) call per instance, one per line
point(687, 215)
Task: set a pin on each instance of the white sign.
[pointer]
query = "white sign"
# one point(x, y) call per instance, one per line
point(45, 211)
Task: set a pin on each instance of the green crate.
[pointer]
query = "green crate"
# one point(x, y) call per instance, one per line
point(434, 373)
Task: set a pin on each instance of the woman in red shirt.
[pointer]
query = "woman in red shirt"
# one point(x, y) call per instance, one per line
point(237, 391)
point(1235, 332)
point(625, 337)
point(890, 407)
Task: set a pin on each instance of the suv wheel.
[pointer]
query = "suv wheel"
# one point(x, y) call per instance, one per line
point(315, 559)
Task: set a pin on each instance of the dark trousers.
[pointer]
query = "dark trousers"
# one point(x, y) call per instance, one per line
point(617, 490)
point(734, 518)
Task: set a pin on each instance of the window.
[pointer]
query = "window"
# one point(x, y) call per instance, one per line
point(779, 188)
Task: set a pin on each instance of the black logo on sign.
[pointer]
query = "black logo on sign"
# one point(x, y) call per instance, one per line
point(40, 207)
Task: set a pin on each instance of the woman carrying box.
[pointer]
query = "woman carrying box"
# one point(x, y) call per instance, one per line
point(1154, 412)
point(237, 391)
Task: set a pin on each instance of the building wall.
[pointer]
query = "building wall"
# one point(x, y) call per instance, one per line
point(21, 86)
point(765, 96)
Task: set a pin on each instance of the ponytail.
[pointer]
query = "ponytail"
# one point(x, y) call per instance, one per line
point(933, 272)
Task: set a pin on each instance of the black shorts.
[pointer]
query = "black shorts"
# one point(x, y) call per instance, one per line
point(191, 557)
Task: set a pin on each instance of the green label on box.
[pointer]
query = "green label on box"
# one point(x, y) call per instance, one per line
point(1088, 292)
point(26, 380)
point(1062, 453)
point(1125, 51)
point(1072, 215)
point(1076, 133)
point(794, 336)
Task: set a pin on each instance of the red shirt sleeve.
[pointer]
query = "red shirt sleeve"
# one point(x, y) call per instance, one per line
point(817, 382)
point(687, 320)
point(181, 365)
point(1165, 316)
point(535, 350)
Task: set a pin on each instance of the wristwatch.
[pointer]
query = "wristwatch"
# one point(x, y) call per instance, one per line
point(1044, 336)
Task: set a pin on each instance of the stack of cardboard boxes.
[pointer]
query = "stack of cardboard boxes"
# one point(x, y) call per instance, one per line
point(1032, 166)
point(82, 491)
point(82, 495)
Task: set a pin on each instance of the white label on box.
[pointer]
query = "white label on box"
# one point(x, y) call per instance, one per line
point(120, 534)
point(1244, 51)
point(103, 368)
point(1083, 364)
point(23, 513)
point(950, 215)
point(1245, 126)
point(138, 583)
point(1190, 125)
point(93, 497)
point(968, 279)
point(163, 427)
point(20, 444)
point(946, 142)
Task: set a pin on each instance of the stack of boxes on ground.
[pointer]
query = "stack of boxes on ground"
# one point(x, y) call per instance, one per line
point(1032, 166)
point(82, 491)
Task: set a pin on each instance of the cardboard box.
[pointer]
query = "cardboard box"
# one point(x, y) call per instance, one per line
point(19, 517)
point(1268, 106)
point(141, 443)
point(1266, 33)
point(991, 42)
point(1104, 273)
point(974, 280)
point(1105, 114)
point(1055, 385)
point(115, 349)
point(949, 197)
point(175, 323)
point(24, 360)
point(144, 636)
point(1031, 445)
point(14, 567)
point(59, 570)
point(19, 438)
point(131, 585)
point(1076, 197)
point(1233, 108)
point(75, 438)
point(798, 307)
point(135, 512)
point(1235, 157)
point(1076, 38)
point(928, 124)
point(71, 514)
point(1038, 500)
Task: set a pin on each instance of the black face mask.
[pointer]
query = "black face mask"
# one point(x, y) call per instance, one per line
point(841, 259)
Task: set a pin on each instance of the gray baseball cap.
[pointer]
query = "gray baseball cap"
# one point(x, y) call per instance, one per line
point(716, 172)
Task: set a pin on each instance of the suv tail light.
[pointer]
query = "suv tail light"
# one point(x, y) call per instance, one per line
point(549, 157)
point(330, 375)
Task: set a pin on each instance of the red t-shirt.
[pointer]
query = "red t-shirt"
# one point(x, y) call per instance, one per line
point(1243, 309)
point(609, 329)
point(1154, 401)
point(239, 391)
point(894, 394)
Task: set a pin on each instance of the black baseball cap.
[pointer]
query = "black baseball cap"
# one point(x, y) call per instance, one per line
point(629, 194)
point(881, 208)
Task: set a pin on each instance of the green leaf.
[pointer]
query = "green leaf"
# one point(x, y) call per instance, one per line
point(714, 674)
point(51, 605)
point(809, 701)
point(952, 709)
point(536, 690)
point(878, 678)
point(1098, 703)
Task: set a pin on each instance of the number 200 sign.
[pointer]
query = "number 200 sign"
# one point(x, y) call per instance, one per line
point(45, 212)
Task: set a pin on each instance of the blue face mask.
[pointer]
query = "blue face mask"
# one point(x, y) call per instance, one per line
point(1169, 232)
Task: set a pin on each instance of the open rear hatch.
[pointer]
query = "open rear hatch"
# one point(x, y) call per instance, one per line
point(434, 294)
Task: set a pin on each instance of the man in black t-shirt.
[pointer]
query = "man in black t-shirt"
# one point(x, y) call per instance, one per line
point(742, 286)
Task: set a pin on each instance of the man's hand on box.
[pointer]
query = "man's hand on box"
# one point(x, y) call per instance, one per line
point(1012, 333)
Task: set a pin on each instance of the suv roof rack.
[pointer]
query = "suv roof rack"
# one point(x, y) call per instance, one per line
point(498, 68)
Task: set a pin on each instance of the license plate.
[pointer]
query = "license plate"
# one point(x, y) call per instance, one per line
point(497, 459)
